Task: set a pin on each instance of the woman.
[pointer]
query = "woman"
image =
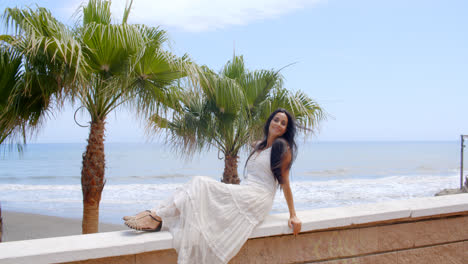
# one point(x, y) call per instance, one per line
point(210, 220)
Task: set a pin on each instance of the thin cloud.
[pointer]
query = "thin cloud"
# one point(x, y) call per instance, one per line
point(186, 15)
point(208, 15)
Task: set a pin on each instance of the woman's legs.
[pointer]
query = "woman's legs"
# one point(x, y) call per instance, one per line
point(166, 210)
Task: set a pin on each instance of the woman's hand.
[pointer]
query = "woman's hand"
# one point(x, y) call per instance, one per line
point(295, 224)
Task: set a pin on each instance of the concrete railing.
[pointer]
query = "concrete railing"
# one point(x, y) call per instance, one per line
point(421, 230)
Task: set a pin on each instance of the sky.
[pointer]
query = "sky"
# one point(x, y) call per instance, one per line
point(382, 70)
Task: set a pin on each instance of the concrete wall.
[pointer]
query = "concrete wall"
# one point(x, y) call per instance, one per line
point(423, 230)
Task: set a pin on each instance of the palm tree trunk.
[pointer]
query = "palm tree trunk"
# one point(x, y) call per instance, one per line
point(92, 177)
point(230, 169)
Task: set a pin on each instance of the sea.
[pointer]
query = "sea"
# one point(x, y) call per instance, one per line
point(45, 178)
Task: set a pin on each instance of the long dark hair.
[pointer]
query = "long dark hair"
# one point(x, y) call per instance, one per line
point(280, 146)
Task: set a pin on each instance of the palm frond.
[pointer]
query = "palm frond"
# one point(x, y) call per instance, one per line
point(51, 62)
point(127, 66)
point(97, 11)
point(306, 111)
point(154, 37)
point(128, 8)
point(108, 48)
point(258, 84)
point(235, 68)
point(46, 42)
point(232, 106)
point(10, 74)
point(189, 127)
point(22, 111)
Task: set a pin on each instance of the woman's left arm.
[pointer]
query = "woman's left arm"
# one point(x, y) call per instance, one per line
point(294, 222)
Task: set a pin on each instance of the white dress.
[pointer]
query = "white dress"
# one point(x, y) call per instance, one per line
point(211, 220)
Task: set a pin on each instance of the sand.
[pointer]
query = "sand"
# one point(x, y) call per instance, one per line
point(24, 226)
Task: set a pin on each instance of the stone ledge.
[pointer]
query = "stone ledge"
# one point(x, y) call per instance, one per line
point(329, 218)
point(353, 243)
point(453, 253)
point(101, 245)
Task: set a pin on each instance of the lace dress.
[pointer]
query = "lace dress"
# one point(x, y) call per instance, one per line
point(210, 220)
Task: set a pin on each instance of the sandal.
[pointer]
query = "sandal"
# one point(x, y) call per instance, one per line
point(126, 218)
point(133, 224)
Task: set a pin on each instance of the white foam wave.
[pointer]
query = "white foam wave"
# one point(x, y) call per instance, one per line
point(120, 199)
point(341, 192)
point(28, 187)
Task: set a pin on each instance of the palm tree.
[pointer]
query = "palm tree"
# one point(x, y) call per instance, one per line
point(125, 65)
point(37, 69)
point(100, 64)
point(10, 68)
point(227, 110)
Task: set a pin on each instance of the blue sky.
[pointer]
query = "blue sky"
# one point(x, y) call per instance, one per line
point(383, 70)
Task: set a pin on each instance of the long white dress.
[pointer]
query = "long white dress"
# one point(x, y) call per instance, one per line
point(210, 220)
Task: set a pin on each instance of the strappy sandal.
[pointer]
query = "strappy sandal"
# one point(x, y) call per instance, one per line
point(126, 218)
point(133, 224)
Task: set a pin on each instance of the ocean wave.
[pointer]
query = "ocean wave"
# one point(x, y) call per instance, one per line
point(122, 199)
point(31, 177)
point(347, 189)
point(330, 172)
point(341, 192)
point(38, 187)
point(116, 178)
point(144, 177)
point(381, 172)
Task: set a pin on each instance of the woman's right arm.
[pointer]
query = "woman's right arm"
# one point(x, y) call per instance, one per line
point(294, 222)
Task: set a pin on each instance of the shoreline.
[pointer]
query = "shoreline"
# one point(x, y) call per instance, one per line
point(26, 226)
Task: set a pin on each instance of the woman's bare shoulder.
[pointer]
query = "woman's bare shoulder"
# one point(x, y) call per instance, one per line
point(255, 143)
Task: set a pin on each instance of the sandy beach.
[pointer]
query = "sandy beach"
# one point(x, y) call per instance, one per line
point(23, 226)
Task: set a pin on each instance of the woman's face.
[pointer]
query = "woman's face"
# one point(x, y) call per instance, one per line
point(278, 125)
